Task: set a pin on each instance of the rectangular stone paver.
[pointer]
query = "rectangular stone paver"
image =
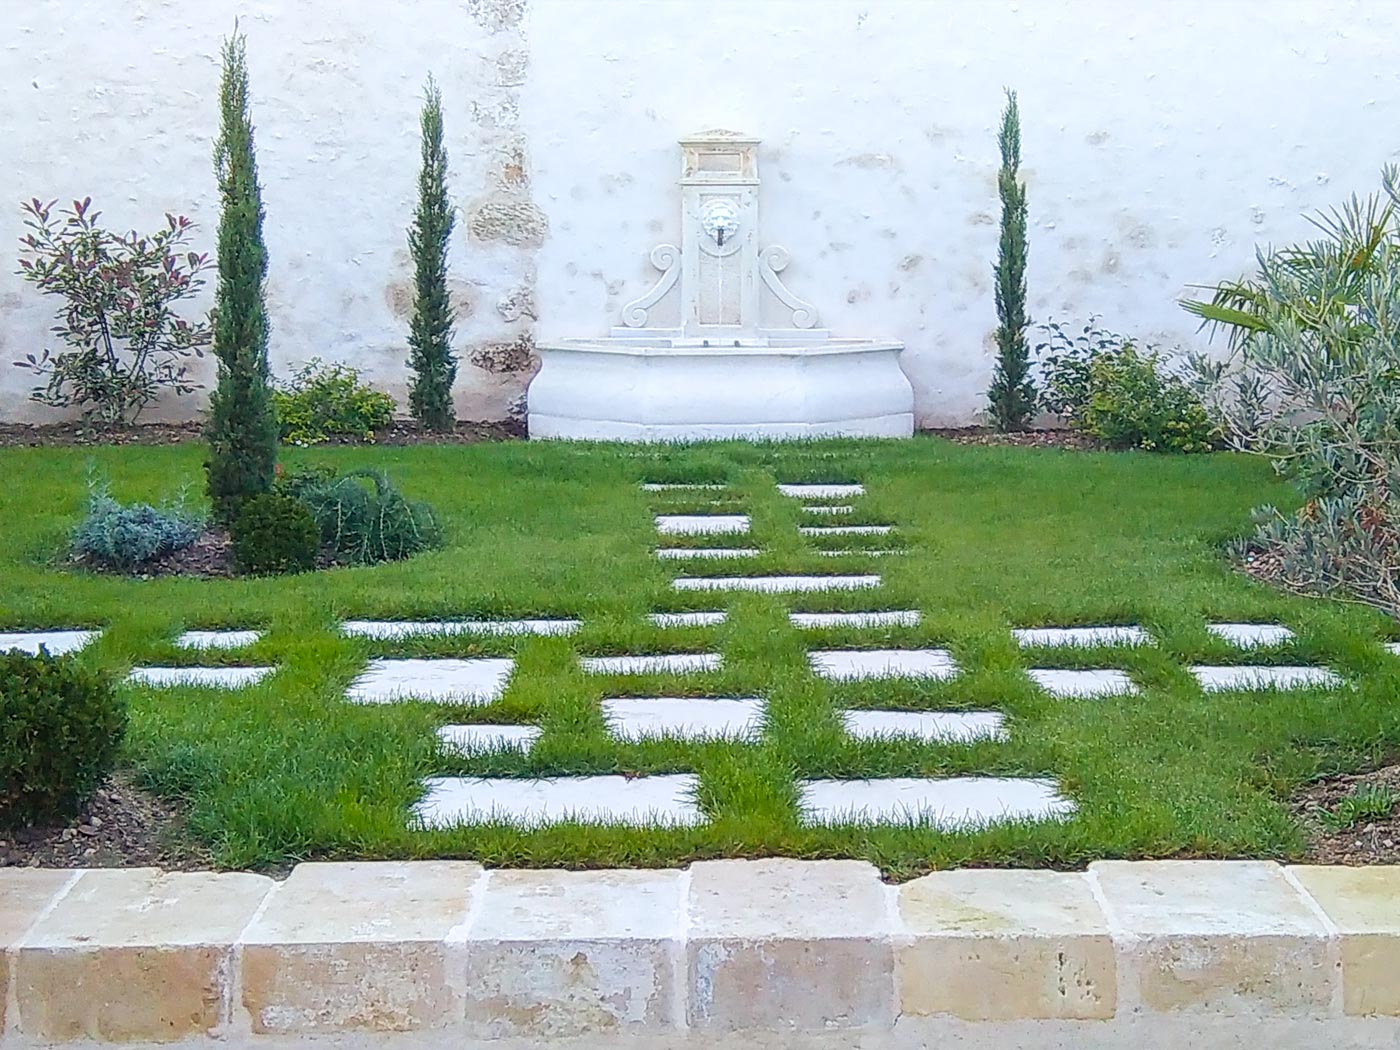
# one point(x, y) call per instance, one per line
point(396, 630)
point(841, 508)
point(776, 584)
point(948, 803)
point(706, 618)
point(1059, 637)
point(1251, 635)
point(789, 946)
point(203, 677)
point(676, 486)
point(845, 530)
point(1222, 678)
point(441, 681)
point(1364, 906)
point(859, 664)
point(1215, 937)
point(1005, 946)
point(821, 491)
point(133, 955)
point(469, 739)
point(217, 639)
point(684, 717)
point(358, 947)
point(701, 524)
point(635, 801)
point(882, 618)
point(654, 663)
point(1082, 685)
point(562, 953)
point(944, 727)
point(684, 553)
point(25, 893)
point(55, 643)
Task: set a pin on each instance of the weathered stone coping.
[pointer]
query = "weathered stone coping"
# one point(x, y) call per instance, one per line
point(724, 953)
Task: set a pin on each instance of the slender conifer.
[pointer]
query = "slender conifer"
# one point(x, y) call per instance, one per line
point(1012, 394)
point(430, 357)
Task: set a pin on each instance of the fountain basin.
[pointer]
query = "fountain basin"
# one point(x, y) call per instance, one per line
point(682, 390)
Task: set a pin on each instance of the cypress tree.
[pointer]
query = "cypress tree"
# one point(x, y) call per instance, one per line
point(1012, 393)
point(242, 428)
point(430, 330)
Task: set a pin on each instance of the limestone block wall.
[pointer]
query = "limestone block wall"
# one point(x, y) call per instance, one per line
point(1162, 142)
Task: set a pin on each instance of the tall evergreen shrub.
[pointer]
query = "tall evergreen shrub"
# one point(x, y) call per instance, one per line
point(242, 427)
point(430, 330)
point(1012, 393)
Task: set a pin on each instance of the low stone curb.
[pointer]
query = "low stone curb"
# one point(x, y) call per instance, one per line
point(741, 953)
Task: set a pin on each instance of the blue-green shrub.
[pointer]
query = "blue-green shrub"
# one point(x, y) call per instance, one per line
point(365, 519)
point(121, 536)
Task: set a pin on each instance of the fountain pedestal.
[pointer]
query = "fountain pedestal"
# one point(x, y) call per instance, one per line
point(720, 373)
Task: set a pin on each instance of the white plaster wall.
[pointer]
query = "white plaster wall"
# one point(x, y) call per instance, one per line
point(1161, 142)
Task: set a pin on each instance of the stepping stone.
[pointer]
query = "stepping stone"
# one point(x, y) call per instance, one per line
point(860, 552)
point(673, 553)
point(1393, 648)
point(1213, 679)
point(841, 509)
point(675, 486)
point(942, 727)
point(1059, 637)
point(947, 803)
point(1082, 685)
point(395, 630)
point(1251, 635)
point(204, 677)
point(688, 619)
point(217, 639)
point(860, 664)
point(701, 524)
point(845, 530)
point(821, 491)
point(56, 643)
point(890, 618)
point(633, 801)
point(659, 663)
point(689, 718)
point(471, 682)
point(775, 584)
point(474, 738)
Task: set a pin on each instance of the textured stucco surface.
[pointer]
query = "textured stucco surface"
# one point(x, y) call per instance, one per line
point(1161, 143)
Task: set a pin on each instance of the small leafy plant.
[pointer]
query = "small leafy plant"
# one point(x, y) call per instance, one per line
point(328, 400)
point(275, 534)
point(125, 341)
point(365, 519)
point(1104, 385)
point(60, 728)
point(118, 536)
point(1368, 802)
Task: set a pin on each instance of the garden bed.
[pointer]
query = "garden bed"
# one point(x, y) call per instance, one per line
point(402, 432)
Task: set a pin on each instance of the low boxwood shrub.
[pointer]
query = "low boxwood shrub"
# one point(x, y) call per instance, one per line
point(1109, 387)
point(364, 518)
point(120, 536)
point(60, 728)
point(322, 400)
point(275, 534)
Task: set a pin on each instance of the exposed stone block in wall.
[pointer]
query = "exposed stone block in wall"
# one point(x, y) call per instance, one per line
point(495, 15)
point(511, 218)
point(515, 356)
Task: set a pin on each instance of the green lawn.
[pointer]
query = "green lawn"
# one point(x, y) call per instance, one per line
point(996, 537)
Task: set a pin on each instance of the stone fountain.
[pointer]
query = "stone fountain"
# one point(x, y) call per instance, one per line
point(720, 371)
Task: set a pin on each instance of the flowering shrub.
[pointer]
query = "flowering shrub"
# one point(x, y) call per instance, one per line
point(322, 401)
point(125, 342)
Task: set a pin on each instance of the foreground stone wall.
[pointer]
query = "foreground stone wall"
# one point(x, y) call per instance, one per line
point(729, 953)
point(1159, 150)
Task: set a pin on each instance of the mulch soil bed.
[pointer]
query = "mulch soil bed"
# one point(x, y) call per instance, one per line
point(121, 827)
point(1050, 438)
point(56, 435)
point(1375, 841)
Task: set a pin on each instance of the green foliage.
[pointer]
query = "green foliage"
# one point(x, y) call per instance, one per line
point(275, 534)
point(322, 401)
point(431, 358)
point(364, 519)
point(1102, 384)
point(125, 342)
point(1012, 394)
point(120, 536)
point(60, 728)
point(1366, 803)
point(242, 427)
point(1322, 347)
